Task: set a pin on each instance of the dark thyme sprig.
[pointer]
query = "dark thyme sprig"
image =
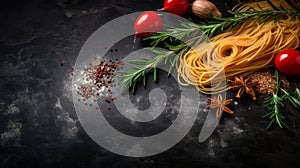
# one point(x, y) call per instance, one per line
point(178, 40)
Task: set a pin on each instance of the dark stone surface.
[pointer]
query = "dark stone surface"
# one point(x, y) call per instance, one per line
point(39, 44)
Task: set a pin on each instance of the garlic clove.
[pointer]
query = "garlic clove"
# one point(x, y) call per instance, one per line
point(201, 8)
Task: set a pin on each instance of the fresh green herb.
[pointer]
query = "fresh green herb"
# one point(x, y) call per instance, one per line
point(218, 25)
point(179, 39)
point(275, 104)
point(294, 98)
point(141, 67)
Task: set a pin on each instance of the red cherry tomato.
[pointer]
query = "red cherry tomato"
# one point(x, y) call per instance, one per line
point(287, 62)
point(148, 22)
point(177, 7)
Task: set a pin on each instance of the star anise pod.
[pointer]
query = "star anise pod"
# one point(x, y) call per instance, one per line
point(241, 86)
point(220, 105)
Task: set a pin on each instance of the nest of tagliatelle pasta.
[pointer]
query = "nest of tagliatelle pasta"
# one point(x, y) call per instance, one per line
point(252, 53)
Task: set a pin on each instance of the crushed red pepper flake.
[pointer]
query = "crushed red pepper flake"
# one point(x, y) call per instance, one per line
point(97, 81)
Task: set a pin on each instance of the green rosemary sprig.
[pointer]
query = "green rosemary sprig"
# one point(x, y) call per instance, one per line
point(218, 25)
point(275, 104)
point(179, 39)
point(294, 98)
point(143, 66)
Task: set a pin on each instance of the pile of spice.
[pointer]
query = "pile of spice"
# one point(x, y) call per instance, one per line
point(97, 81)
point(267, 81)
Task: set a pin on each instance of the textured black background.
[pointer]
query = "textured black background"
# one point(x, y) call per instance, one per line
point(39, 43)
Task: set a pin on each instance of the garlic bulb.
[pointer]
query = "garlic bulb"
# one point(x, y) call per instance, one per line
point(201, 7)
